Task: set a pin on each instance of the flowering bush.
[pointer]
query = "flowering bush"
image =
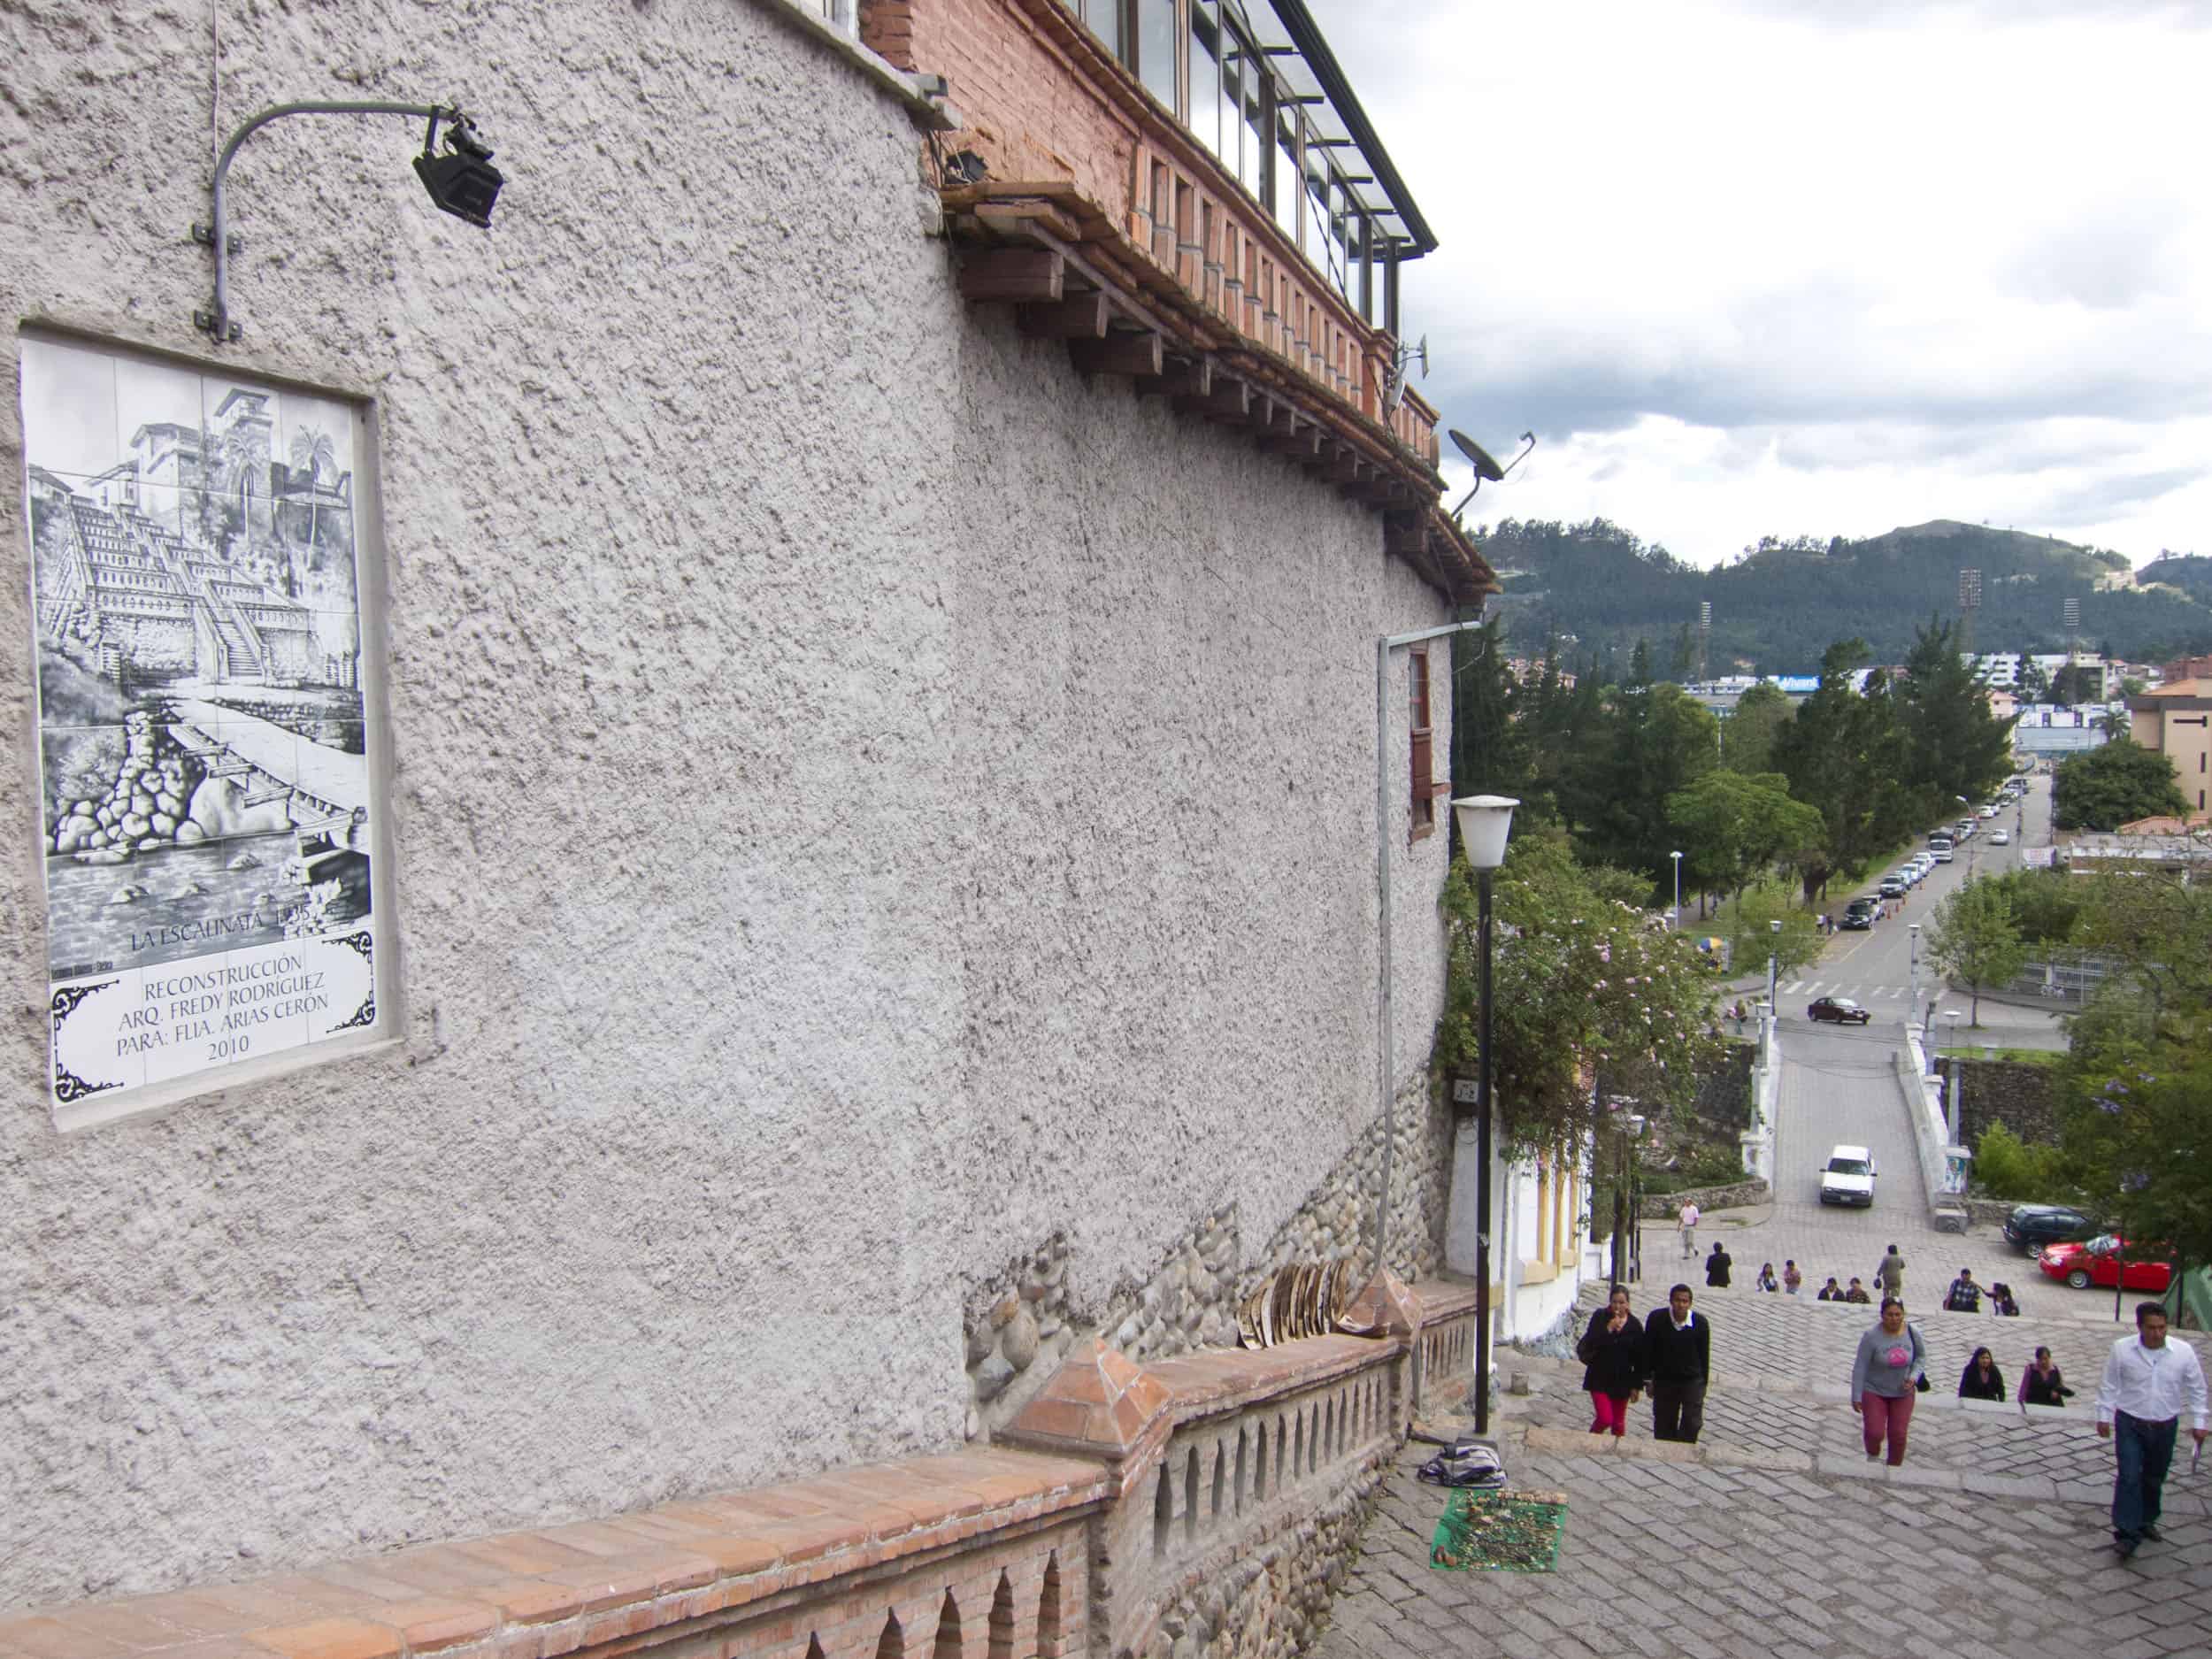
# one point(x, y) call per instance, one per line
point(1585, 985)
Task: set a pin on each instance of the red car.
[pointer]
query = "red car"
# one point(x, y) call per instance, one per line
point(2096, 1261)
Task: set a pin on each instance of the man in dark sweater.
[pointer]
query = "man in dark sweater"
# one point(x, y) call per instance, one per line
point(1679, 1359)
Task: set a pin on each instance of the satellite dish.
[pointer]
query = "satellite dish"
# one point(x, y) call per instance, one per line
point(1423, 353)
point(1485, 468)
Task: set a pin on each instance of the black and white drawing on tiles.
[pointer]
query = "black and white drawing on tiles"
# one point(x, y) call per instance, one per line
point(206, 801)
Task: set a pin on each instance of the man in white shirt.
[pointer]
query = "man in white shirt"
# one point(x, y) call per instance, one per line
point(1689, 1228)
point(2147, 1382)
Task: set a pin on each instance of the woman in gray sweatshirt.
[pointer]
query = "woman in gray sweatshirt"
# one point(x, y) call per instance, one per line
point(1884, 1377)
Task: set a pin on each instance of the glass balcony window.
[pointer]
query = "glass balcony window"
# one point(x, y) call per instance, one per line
point(1253, 81)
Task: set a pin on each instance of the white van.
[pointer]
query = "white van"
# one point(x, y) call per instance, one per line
point(1939, 849)
point(1849, 1177)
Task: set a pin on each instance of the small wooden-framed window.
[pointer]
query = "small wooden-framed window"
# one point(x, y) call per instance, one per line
point(1421, 818)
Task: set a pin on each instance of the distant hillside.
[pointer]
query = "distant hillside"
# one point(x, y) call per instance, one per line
point(2190, 572)
point(1779, 605)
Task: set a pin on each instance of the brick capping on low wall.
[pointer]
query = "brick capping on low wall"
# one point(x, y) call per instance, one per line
point(1075, 1542)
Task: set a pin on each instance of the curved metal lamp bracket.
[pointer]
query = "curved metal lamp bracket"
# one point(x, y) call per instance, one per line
point(218, 321)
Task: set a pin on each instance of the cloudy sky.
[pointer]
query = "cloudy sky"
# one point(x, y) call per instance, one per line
point(1807, 267)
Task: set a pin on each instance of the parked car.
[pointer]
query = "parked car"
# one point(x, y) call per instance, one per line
point(1940, 850)
point(1842, 1009)
point(1858, 915)
point(1849, 1177)
point(2097, 1262)
point(2001, 838)
point(2031, 1227)
point(1893, 885)
point(1989, 809)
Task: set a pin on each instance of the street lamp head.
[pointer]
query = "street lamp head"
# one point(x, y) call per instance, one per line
point(1635, 1121)
point(1676, 855)
point(462, 183)
point(1775, 926)
point(1485, 821)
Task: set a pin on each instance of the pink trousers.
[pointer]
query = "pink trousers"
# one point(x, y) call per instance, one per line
point(1882, 1417)
point(1612, 1413)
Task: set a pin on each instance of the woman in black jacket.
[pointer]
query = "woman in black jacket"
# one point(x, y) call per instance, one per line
point(2042, 1384)
point(1612, 1353)
point(1981, 1380)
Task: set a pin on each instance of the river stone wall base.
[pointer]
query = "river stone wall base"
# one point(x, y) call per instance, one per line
point(1274, 1601)
point(1667, 1206)
point(1188, 1301)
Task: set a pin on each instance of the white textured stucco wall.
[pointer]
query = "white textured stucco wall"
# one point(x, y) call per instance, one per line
point(865, 798)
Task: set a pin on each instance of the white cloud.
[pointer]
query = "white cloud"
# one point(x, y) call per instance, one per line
point(1753, 268)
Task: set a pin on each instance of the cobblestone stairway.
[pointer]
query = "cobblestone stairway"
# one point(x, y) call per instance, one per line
point(1774, 1537)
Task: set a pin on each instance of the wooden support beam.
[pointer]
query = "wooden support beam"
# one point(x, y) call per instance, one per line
point(1138, 354)
point(1230, 400)
point(1080, 318)
point(1404, 535)
point(1261, 411)
point(1345, 466)
point(1193, 377)
point(1012, 274)
point(1302, 445)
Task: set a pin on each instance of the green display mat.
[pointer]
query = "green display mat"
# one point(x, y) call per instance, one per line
point(1499, 1532)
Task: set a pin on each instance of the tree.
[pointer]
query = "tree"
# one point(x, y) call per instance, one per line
point(1747, 735)
point(1491, 739)
point(2142, 1135)
point(1974, 939)
point(1734, 829)
point(2035, 685)
point(2157, 929)
point(1661, 740)
point(2047, 904)
point(1683, 659)
point(1752, 938)
point(1954, 744)
point(2076, 683)
point(2103, 789)
point(1582, 983)
point(1844, 756)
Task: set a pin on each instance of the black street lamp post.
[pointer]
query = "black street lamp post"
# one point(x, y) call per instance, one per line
point(1485, 821)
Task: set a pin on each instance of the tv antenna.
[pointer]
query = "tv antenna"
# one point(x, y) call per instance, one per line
point(1404, 357)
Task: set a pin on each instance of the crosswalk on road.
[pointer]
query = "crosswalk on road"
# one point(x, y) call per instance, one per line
point(1857, 993)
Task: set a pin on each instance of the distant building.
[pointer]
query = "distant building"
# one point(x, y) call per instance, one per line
point(1998, 668)
point(2176, 721)
point(2049, 731)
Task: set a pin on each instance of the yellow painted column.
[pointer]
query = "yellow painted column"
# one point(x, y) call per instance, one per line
point(1543, 1210)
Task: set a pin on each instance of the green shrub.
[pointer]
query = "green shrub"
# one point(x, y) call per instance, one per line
point(2005, 1166)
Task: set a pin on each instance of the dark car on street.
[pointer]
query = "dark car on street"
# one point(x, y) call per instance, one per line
point(1842, 1009)
point(2031, 1227)
point(1859, 916)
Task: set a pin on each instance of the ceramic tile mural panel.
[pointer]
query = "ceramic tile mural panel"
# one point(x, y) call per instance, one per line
point(205, 807)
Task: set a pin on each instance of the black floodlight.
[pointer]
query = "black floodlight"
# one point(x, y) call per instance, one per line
point(462, 183)
point(1486, 466)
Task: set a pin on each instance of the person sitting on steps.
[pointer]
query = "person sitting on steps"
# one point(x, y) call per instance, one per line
point(1717, 1266)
